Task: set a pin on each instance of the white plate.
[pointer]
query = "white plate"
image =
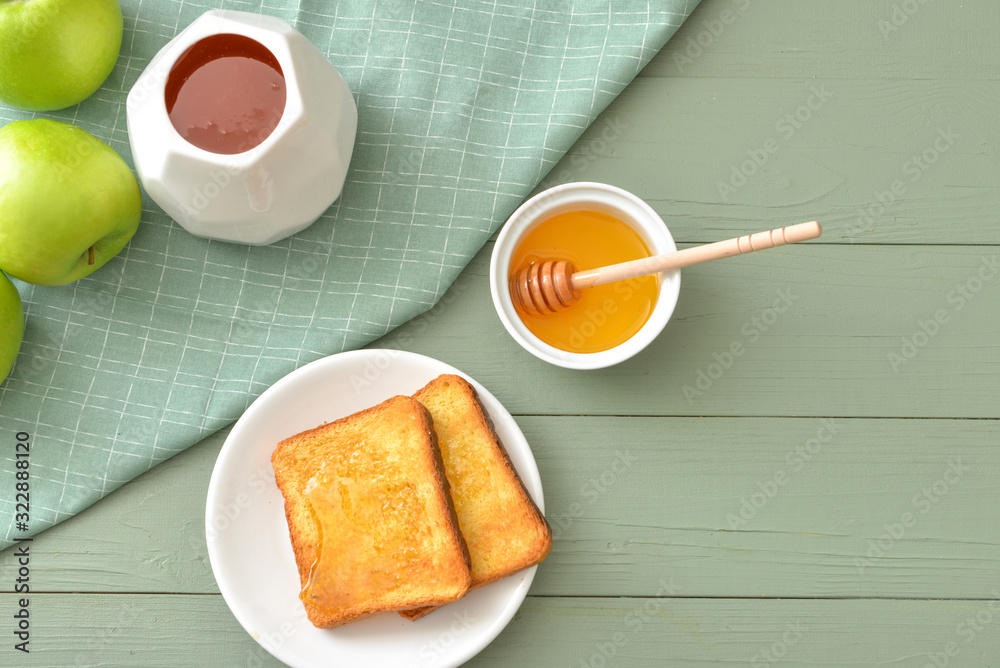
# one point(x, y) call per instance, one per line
point(248, 543)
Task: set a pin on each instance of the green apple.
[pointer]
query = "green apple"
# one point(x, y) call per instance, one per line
point(11, 325)
point(56, 53)
point(68, 202)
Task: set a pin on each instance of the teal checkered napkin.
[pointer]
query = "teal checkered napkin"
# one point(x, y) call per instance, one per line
point(464, 105)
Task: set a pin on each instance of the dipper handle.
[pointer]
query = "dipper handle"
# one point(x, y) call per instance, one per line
point(696, 255)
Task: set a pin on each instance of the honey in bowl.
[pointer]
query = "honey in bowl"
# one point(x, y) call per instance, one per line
point(226, 94)
point(606, 315)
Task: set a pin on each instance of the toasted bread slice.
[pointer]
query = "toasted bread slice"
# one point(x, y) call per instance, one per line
point(371, 522)
point(503, 528)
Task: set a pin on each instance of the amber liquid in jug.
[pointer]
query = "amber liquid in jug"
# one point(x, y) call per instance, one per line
point(226, 94)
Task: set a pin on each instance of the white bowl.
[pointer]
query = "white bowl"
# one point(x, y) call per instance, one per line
point(271, 191)
point(575, 197)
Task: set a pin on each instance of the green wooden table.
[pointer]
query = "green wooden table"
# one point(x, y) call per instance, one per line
point(802, 470)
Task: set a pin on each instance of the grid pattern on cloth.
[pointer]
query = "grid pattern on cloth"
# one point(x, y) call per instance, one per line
point(464, 105)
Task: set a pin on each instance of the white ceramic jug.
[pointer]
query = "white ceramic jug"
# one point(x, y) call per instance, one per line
point(267, 192)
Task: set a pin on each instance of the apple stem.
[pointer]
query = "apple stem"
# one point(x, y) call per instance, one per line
point(90, 255)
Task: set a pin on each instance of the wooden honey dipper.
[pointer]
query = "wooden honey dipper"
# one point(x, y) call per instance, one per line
point(546, 287)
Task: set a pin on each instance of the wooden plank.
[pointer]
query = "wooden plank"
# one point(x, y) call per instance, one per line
point(722, 507)
point(87, 630)
point(186, 630)
point(147, 536)
point(884, 39)
point(857, 335)
point(769, 507)
point(875, 161)
point(698, 632)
